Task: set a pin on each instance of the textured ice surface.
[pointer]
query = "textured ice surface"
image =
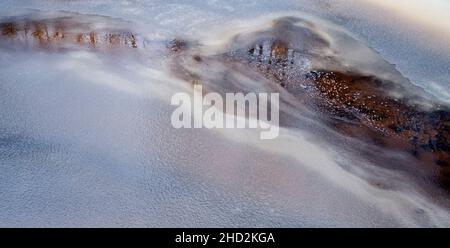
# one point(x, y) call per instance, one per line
point(86, 140)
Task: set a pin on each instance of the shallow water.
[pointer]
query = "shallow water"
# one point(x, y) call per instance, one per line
point(86, 140)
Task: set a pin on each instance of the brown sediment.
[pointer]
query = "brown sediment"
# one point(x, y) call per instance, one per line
point(64, 31)
point(364, 99)
point(8, 29)
point(92, 39)
point(279, 50)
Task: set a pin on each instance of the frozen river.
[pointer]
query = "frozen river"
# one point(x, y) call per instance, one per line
point(86, 140)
